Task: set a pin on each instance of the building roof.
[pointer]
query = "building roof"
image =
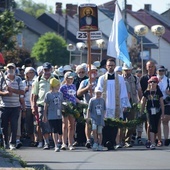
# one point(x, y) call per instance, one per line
point(57, 22)
point(144, 17)
point(31, 22)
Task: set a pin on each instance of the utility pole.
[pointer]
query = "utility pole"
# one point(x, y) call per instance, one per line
point(125, 15)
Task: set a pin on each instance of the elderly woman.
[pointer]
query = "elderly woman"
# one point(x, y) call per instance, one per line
point(81, 72)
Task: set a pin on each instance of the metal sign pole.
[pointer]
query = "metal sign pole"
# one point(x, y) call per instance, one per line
point(89, 57)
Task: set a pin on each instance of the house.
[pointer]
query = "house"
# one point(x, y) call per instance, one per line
point(157, 48)
point(154, 47)
point(32, 31)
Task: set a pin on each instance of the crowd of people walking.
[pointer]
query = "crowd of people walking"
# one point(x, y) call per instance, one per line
point(32, 105)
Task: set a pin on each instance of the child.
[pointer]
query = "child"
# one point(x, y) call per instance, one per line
point(96, 111)
point(153, 99)
point(52, 110)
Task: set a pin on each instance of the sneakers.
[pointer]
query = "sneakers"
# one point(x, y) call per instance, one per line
point(100, 148)
point(71, 148)
point(95, 147)
point(57, 149)
point(12, 147)
point(148, 144)
point(18, 144)
point(118, 146)
point(128, 145)
point(88, 144)
point(46, 147)
point(152, 146)
point(139, 141)
point(63, 147)
point(109, 146)
point(40, 145)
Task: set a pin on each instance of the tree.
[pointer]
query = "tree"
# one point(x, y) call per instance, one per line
point(16, 56)
point(34, 9)
point(52, 48)
point(9, 28)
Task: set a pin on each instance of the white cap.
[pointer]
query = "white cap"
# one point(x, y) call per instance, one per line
point(98, 89)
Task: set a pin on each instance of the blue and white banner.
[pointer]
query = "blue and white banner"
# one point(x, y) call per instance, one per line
point(117, 47)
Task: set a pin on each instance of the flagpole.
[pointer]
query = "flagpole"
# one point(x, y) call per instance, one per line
point(117, 45)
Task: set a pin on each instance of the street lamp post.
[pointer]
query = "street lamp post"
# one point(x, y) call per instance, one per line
point(70, 48)
point(158, 30)
point(141, 30)
point(100, 43)
point(80, 46)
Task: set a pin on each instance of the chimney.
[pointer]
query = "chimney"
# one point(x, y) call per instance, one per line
point(71, 9)
point(58, 8)
point(148, 7)
point(129, 7)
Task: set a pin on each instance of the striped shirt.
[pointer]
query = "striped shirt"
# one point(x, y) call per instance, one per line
point(11, 101)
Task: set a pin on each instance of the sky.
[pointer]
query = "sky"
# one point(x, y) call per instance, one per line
point(158, 6)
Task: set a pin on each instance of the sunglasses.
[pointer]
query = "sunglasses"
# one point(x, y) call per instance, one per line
point(161, 70)
point(153, 82)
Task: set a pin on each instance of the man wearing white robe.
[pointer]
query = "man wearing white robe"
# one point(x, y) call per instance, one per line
point(111, 99)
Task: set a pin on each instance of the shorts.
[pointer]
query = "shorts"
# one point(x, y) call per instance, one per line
point(56, 126)
point(45, 127)
point(98, 128)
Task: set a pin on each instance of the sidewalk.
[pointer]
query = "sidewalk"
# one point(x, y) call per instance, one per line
point(10, 162)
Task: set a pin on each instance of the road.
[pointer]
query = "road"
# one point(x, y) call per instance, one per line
point(137, 157)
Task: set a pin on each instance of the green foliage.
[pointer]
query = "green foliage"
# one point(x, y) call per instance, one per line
point(52, 48)
point(124, 124)
point(75, 110)
point(34, 9)
point(9, 27)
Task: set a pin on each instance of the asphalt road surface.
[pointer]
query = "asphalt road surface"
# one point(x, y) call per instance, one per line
point(137, 157)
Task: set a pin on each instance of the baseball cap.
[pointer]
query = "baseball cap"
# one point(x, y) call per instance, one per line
point(54, 82)
point(69, 75)
point(153, 78)
point(98, 89)
point(161, 68)
point(11, 65)
point(47, 65)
